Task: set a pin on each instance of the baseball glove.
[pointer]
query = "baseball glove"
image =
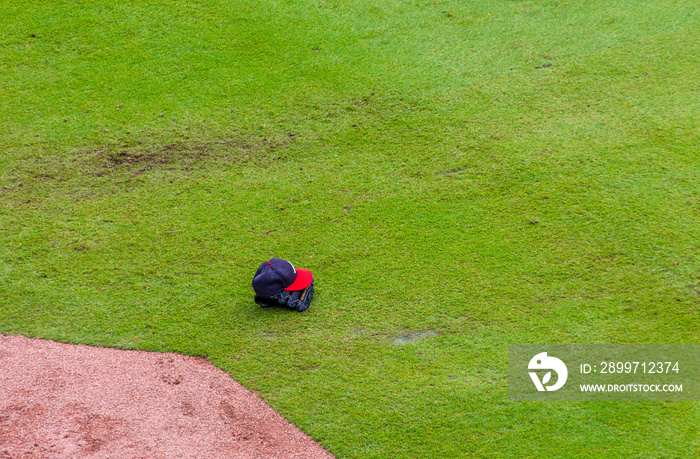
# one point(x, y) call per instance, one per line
point(298, 300)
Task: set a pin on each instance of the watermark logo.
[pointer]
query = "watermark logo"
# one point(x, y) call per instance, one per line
point(542, 362)
point(597, 372)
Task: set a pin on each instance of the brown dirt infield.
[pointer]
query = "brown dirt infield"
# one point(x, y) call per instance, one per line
point(61, 400)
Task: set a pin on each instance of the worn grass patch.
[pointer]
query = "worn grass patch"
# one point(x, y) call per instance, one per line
point(457, 175)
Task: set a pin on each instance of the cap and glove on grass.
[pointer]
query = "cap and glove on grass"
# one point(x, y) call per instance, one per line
point(278, 283)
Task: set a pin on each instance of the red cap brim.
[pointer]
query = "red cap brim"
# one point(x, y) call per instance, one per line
point(303, 280)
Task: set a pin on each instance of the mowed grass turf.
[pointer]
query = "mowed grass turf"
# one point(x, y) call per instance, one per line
point(459, 176)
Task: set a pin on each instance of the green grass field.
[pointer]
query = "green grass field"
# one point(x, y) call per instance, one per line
point(459, 176)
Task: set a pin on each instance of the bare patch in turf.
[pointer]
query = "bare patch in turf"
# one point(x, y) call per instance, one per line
point(121, 163)
point(186, 155)
point(412, 337)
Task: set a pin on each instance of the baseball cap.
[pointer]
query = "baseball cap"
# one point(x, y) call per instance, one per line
point(277, 274)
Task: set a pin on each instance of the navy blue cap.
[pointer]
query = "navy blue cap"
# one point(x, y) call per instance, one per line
point(277, 274)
